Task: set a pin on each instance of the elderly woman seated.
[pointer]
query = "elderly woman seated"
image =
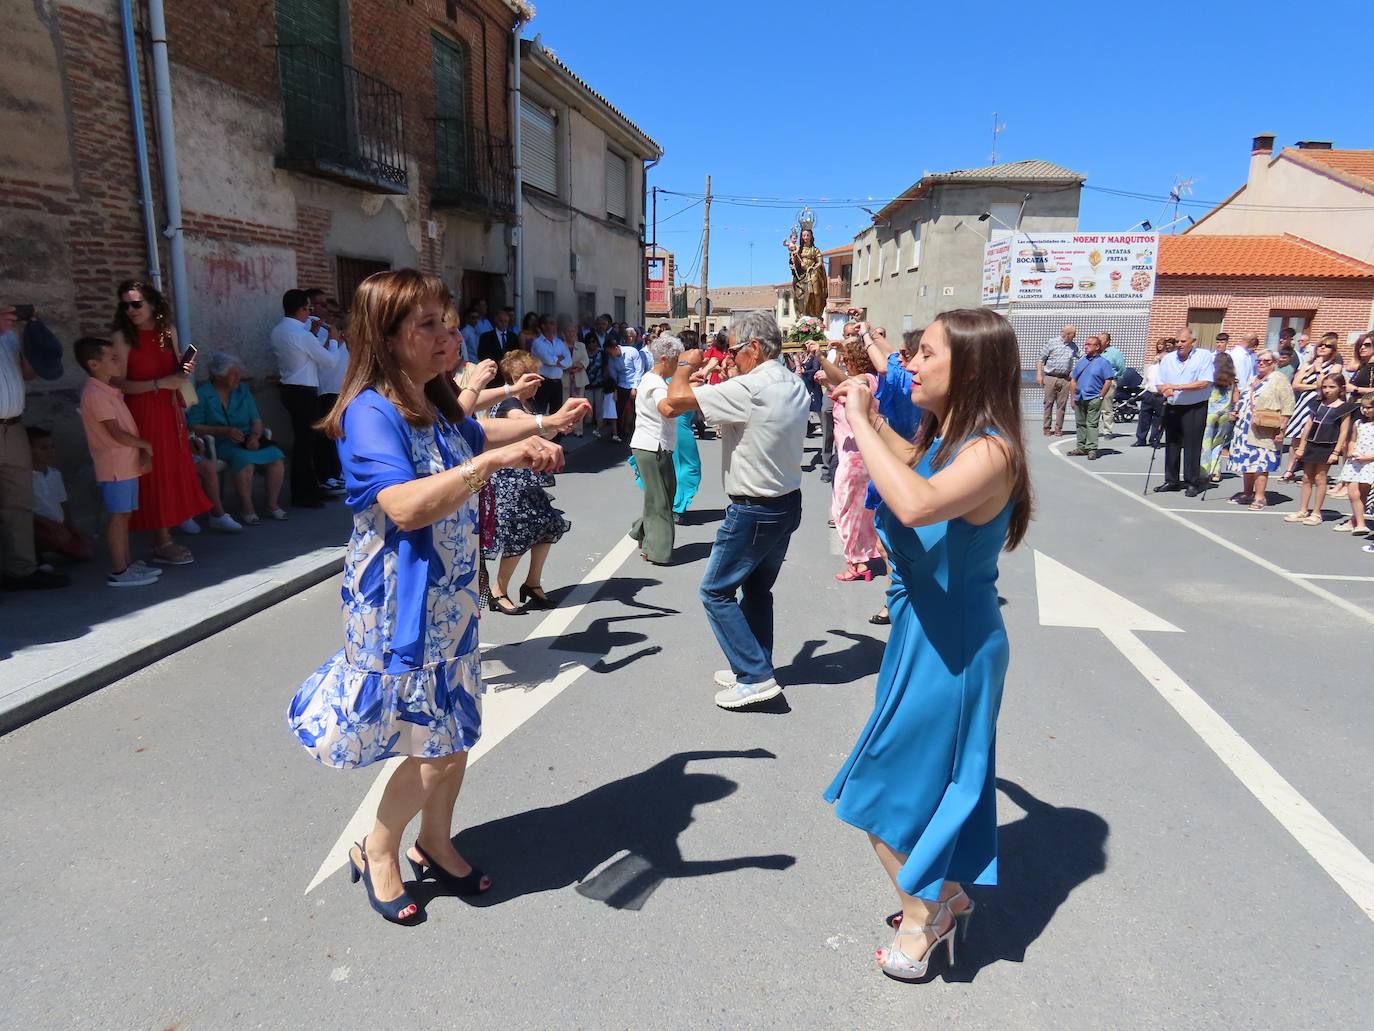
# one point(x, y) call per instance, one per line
point(226, 411)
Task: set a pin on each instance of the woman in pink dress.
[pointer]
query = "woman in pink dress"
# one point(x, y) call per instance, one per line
point(847, 511)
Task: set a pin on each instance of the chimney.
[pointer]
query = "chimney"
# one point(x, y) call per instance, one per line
point(1261, 149)
point(1314, 144)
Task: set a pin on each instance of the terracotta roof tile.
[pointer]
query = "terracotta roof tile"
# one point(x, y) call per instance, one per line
point(1355, 167)
point(1034, 170)
point(844, 248)
point(1284, 256)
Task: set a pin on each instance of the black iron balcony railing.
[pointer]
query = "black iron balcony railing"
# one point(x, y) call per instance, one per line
point(475, 170)
point(339, 123)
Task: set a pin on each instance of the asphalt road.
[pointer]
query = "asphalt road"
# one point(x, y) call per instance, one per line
point(661, 863)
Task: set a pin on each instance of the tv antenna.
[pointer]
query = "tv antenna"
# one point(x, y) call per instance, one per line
point(997, 129)
point(1182, 188)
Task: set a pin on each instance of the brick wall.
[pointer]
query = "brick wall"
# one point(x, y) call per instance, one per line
point(1340, 306)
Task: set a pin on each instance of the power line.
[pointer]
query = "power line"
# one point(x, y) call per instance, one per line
point(679, 211)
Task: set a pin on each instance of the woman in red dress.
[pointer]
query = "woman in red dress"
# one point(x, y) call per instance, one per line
point(169, 494)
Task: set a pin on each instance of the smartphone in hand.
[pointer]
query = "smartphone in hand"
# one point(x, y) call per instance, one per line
point(189, 355)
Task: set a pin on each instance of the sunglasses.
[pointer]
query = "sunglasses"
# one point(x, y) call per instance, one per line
point(127, 305)
point(740, 347)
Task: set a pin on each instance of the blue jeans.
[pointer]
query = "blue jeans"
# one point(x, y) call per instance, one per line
point(737, 589)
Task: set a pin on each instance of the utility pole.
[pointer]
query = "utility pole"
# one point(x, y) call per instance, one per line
point(706, 259)
point(751, 262)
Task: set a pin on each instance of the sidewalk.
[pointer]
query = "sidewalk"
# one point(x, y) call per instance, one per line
point(57, 646)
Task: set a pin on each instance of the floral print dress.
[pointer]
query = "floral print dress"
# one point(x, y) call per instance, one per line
point(409, 677)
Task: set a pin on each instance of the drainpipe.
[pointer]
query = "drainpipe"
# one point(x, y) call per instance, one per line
point(643, 263)
point(518, 230)
point(171, 188)
point(145, 182)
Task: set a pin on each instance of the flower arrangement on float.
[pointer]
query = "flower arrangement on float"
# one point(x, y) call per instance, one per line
point(805, 330)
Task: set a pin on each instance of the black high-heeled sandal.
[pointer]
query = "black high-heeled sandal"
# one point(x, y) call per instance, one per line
point(494, 603)
point(534, 597)
point(395, 910)
point(469, 884)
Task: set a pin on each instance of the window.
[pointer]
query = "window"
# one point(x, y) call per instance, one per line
point(539, 146)
point(1205, 324)
point(1281, 320)
point(586, 304)
point(450, 69)
point(545, 302)
point(786, 304)
point(895, 266)
point(914, 256)
point(349, 272)
point(617, 180)
point(1004, 218)
point(618, 308)
point(882, 253)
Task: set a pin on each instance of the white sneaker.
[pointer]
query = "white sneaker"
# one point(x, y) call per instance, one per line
point(131, 577)
point(225, 523)
point(279, 514)
point(190, 527)
point(143, 567)
point(740, 695)
point(725, 678)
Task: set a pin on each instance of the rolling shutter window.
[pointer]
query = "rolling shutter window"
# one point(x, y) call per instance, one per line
point(615, 185)
point(539, 147)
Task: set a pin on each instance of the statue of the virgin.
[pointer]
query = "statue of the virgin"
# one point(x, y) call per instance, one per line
point(809, 285)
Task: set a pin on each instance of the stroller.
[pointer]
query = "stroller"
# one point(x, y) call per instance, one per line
point(1126, 401)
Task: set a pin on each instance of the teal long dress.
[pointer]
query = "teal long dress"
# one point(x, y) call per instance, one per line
point(921, 776)
point(687, 464)
point(241, 413)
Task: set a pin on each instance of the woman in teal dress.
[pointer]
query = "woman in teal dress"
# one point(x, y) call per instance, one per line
point(687, 466)
point(1221, 416)
point(226, 411)
point(920, 780)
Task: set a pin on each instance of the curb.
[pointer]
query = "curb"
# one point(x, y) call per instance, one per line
point(93, 680)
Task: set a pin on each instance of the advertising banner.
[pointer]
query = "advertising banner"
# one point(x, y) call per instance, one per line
point(1070, 267)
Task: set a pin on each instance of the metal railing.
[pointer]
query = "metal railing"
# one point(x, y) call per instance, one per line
point(338, 122)
point(474, 169)
point(838, 287)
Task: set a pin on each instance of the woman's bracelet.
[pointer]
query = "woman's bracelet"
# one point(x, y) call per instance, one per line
point(506, 387)
point(539, 424)
point(470, 476)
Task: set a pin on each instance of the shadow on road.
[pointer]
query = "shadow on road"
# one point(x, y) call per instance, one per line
point(1041, 859)
point(554, 847)
point(860, 659)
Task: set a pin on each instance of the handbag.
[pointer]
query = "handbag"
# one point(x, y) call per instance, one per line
point(1269, 419)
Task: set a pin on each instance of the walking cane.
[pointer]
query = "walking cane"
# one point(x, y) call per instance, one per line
point(1150, 472)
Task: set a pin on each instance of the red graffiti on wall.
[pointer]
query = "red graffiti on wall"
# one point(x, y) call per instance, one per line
point(222, 277)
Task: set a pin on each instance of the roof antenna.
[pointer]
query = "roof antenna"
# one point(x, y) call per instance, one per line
point(997, 129)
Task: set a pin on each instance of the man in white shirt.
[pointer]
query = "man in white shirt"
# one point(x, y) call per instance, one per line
point(1185, 380)
point(301, 360)
point(324, 317)
point(761, 415)
point(1242, 357)
point(554, 357)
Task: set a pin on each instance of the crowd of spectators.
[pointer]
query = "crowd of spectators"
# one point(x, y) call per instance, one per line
point(169, 453)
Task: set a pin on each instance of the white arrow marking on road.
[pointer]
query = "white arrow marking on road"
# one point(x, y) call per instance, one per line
point(506, 708)
point(1070, 599)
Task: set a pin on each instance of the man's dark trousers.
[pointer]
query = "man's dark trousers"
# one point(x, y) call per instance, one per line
point(1184, 426)
point(302, 404)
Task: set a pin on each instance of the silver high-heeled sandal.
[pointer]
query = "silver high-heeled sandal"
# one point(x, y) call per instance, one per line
point(962, 918)
point(901, 967)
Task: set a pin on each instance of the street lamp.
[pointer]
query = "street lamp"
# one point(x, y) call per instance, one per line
point(989, 215)
point(1144, 224)
point(1176, 221)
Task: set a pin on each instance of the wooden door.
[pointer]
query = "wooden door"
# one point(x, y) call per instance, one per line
point(1205, 324)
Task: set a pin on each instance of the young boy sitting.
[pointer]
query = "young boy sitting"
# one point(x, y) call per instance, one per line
point(53, 529)
point(120, 455)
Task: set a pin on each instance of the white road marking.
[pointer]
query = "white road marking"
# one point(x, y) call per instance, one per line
point(1334, 576)
point(1113, 472)
point(1335, 599)
point(1229, 510)
point(504, 709)
point(1067, 598)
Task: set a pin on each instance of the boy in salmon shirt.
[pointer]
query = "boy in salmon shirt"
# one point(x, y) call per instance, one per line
point(120, 455)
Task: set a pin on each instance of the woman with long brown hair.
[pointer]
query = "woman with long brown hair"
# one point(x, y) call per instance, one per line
point(170, 494)
point(408, 680)
point(920, 779)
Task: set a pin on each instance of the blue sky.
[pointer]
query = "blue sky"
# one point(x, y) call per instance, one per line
point(858, 99)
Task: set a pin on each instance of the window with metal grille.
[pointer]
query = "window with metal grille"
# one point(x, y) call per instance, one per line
point(617, 176)
point(451, 150)
point(352, 271)
point(539, 146)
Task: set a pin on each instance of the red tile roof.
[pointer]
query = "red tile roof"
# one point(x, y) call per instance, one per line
point(1286, 256)
point(844, 248)
point(1353, 167)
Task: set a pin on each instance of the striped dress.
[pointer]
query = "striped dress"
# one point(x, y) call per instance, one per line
point(1307, 400)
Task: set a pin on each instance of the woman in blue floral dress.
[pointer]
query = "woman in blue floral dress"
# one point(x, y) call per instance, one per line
point(408, 680)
